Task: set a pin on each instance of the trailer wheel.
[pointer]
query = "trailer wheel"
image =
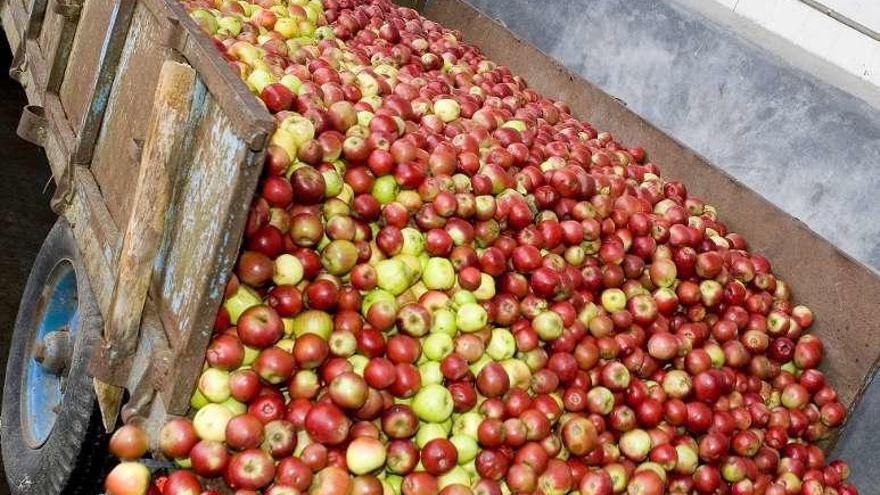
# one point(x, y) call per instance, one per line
point(52, 439)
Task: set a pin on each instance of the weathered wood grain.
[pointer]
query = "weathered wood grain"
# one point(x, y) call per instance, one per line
point(168, 120)
point(125, 119)
point(85, 58)
point(212, 196)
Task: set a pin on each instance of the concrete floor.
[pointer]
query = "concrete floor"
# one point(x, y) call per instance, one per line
point(25, 217)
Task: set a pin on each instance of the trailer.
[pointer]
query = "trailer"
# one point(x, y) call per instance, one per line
point(156, 148)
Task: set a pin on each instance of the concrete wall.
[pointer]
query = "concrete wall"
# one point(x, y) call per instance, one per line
point(831, 40)
point(800, 141)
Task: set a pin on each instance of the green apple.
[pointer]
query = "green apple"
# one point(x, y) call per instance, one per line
point(198, 399)
point(467, 424)
point(313, 321)
point(471, 317)
point(613, 300)
point(288, 270)
point(447, 109)
point(430, 373)
point(439, 274)
point(358, 363)
point(428, 432)
point(456, 476)
point(392, 276)
point(259, 79)
point(243, 298)
point(548, 325)
point(502, 344)
point(437, 346)
point(364, 454)
point(462, 297)
point(214, 384)
point(413, 241)
point(466, 446)
point(443, 322)
point(518, 372)
point(237, 408)
point(486, 290)
point(210, 422)
point(433, 404)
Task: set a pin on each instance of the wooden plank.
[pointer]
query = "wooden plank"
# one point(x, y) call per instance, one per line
point(170, 111)
point(85, 97)
point(86, 58)
point(14, 19)
point(252, 123)
point(100, 241)
point(845, 303)
point(96, 234)
point(212, 196)
point(115, 161)
point(52, 36)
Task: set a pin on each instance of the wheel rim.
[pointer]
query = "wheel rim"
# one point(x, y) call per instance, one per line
point(56, 320)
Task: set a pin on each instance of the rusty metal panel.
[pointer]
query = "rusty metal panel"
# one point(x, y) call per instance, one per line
point(842, 292)
point(116, 157)
point(215, 185)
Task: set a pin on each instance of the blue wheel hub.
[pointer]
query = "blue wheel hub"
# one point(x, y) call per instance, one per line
point(56, 321)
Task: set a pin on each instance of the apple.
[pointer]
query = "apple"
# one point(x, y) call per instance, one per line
point(129, 442)
point(439, 274)
point(176, 438)
point(251, 469)
point(244, 432)
point(433, 403)
point(279, 438)
point(214, 385)
point(365, 454)
point(210, 422)
point(260, 327)
point(128, 478)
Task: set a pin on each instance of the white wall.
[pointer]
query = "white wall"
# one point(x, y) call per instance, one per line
point(818, 33)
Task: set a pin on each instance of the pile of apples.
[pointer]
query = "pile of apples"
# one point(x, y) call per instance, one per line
point(450, 285)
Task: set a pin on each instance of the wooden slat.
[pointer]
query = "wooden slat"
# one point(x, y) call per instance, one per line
point(211, 201)
point(170, 111)
point(252, 123)
point(86, 105)
point(115, 161)
point(100, 241)
point(85, 58)
point(52, 36)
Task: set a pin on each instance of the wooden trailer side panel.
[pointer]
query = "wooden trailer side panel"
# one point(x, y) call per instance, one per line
point(85, 56)
point(214, 189)
point(117, 152)
point(842, 293)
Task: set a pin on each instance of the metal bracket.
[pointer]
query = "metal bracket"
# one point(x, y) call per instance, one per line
point(32, 125)
point(19, 64)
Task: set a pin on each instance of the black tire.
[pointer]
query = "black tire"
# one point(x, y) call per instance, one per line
point(73, 458)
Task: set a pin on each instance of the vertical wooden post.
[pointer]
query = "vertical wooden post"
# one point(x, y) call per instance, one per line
point(143, 234)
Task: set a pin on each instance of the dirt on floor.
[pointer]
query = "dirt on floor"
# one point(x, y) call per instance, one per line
point(25, 217)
